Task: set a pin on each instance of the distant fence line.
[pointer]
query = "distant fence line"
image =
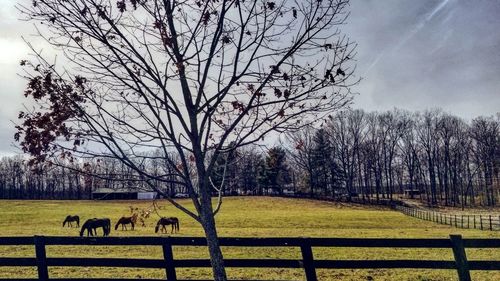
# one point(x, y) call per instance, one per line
point(457, 245)
point(482, 222)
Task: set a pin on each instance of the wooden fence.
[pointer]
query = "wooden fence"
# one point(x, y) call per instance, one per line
point(456, 244)
point(482, 222)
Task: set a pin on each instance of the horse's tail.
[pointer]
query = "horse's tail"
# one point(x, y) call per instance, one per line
point(177, 225)
point(77, 220)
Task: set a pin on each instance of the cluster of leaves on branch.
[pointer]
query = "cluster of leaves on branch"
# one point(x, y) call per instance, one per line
point(61, 102)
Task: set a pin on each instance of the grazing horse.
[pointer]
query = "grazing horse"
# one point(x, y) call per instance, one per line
point(91, 226)
point(70, 219)
point(126, 220)
point(167, 221)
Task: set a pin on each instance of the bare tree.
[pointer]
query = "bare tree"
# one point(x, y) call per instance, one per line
point(485, 133)
point(301, 148)
point(429, 142)
point(183, 76)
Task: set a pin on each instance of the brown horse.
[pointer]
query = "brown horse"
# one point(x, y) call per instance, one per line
point(126, 220)
point(70, 219)
point(173, 221)
point(91, 226)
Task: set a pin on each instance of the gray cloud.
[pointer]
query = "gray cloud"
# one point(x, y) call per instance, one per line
point(428, 54)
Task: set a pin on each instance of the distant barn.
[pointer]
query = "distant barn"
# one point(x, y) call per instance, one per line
point(410, 193)
point(122, 194)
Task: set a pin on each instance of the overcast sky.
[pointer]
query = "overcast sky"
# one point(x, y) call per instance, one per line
point(411, 54)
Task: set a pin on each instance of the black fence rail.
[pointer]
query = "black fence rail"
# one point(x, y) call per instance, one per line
point(482, 222)
point(456, 244)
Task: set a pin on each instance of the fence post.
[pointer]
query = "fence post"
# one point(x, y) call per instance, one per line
point(41, 258)
point(460, 258)
point(308, 261)
point(474, 221)
point(481, 221)
point(168, 256)
point(491, 227)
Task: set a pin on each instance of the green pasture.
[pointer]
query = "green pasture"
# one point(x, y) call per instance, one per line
point(239, 217)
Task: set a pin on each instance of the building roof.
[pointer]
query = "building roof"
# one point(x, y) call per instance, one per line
point(116, 190)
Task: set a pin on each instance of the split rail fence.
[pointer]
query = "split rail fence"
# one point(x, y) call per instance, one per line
point(482, 222)
point(455, 243)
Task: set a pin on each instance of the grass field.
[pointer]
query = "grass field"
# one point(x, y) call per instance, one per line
point(240, 217)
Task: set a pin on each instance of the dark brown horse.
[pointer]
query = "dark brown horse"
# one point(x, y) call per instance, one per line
point(126, 220)
point(70, 219)
point(91, 226)
point(173, 221)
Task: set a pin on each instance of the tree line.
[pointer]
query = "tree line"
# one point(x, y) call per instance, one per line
point(436, 157)
point(432, 156)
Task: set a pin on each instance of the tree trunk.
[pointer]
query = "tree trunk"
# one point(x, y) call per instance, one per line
point(216, 258)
